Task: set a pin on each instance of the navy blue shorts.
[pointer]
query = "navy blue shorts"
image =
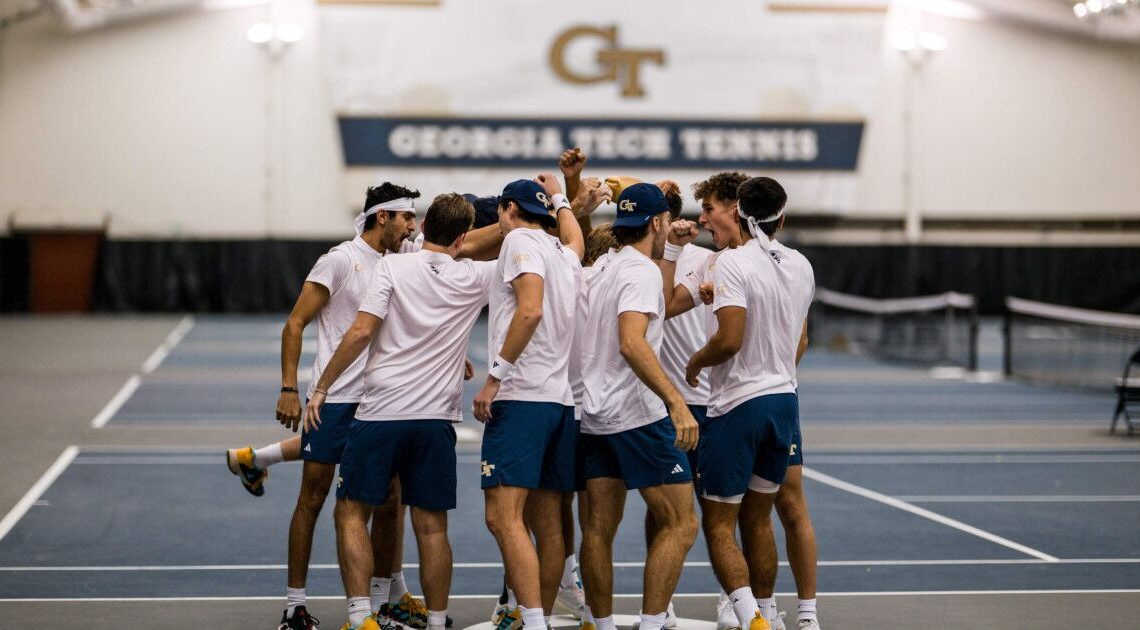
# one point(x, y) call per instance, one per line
point(754, 438)
point(420, 452)
point(326, 444)
point(579, 458)
point(700, 413)
point(529, 445)
point(796, 451)
point(641, 457)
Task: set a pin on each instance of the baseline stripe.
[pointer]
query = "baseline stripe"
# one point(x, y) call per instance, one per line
point(1021, 498)
point(914, 509)
point(37, 490)
point(128, 389)
point(172, 339)
point(497, 565)
point(1109, 591)
point(1059, 458)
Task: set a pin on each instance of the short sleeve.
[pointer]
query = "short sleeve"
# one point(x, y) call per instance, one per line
point(729, 283)
point(692, 277)
point(520, 255)
point(485, 276)
point(379, 292)
point(640, 292)
point(331, 270)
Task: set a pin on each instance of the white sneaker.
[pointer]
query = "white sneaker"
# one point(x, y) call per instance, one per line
point(571, 600)
point(778, 622)
point(670, 619)
point(725, 615)
point(808, 624)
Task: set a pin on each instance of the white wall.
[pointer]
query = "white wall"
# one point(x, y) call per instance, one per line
point(178, 126)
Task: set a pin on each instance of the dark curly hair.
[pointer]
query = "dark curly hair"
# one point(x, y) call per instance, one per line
point(383, 193)
point(723, 185)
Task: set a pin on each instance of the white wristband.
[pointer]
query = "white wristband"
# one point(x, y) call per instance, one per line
point(500, 367)
point(559, 202)
point(672, 252)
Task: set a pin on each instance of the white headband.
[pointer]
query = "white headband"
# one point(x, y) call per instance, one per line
point(396, 205)
point(762, 239)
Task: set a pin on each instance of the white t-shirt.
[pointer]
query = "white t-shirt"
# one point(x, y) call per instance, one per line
point(575, 367)
point(346, 270)
point(429, 302)
point(615, 399)
point(686, 333)
point(540, 372)
point(776, 290)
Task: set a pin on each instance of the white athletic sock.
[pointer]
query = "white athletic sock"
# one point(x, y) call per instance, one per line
point(532, 618)
point(653, 622)
point(744, 605)
point(768, 607)
point(268, 455)
point(399, 587)
point(605, 623)
point(568, 577)
point(512, 601)
point(379, 588)
point(587, 616)
point(806, 609)
point(357, 610)
point(437, 620)
point(294, 597)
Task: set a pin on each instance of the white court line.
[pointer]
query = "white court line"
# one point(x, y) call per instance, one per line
point(913, 509)
point(1021, 498)
point(266, 598)
point(977, 459)
point(37, 490)
point(498, 565)
point(159, 355)
point(112, 407)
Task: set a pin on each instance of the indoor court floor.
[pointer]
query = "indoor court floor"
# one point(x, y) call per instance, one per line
point(938, 497)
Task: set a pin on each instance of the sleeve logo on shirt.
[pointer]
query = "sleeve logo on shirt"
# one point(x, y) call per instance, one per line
point(359, 267)
point(521, 258)
point(627, 206)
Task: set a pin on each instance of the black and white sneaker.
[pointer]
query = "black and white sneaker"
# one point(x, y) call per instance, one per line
point(301, 620)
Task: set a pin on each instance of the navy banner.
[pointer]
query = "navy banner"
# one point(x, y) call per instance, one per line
point(674, 144)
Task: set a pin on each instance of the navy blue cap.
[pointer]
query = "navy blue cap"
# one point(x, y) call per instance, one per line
point(486, 209)
point(639, 203)
point(531, 199)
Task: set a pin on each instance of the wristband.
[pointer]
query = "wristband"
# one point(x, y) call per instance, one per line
point(289, 389)
point(320, 391)
point(500, 367)
point(672, 252)
point(559, 202)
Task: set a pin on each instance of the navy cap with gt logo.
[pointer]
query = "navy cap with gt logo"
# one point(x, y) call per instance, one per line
point(531, 199)
point(639, 203)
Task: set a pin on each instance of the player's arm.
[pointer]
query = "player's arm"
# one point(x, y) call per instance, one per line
point(482, 244)
point(569, 232)
point(681, 233)
point(313, 298)
point(722, 346)
point(571, 164)
point(803, 345)
point(528, 293)
point(351, 345)
point(640, 356)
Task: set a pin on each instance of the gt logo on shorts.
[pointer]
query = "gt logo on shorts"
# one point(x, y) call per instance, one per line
point(339, 481)
point(627, 206)
point(487, 468)
point(792, 450)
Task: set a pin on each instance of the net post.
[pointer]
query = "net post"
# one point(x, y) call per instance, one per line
point(973, 341)
point(1007, 343)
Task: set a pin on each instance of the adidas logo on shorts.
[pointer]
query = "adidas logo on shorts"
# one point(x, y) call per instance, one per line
point(677, 469)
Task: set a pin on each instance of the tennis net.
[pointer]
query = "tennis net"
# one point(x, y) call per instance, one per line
point(935, 329)
point(1067, 346)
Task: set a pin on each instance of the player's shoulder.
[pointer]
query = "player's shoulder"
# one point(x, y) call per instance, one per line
point(792, 256)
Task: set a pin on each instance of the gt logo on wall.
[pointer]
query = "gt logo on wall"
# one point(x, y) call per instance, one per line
point(614, 63)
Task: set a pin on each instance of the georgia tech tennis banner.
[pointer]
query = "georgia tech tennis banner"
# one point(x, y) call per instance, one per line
point(676, 144)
